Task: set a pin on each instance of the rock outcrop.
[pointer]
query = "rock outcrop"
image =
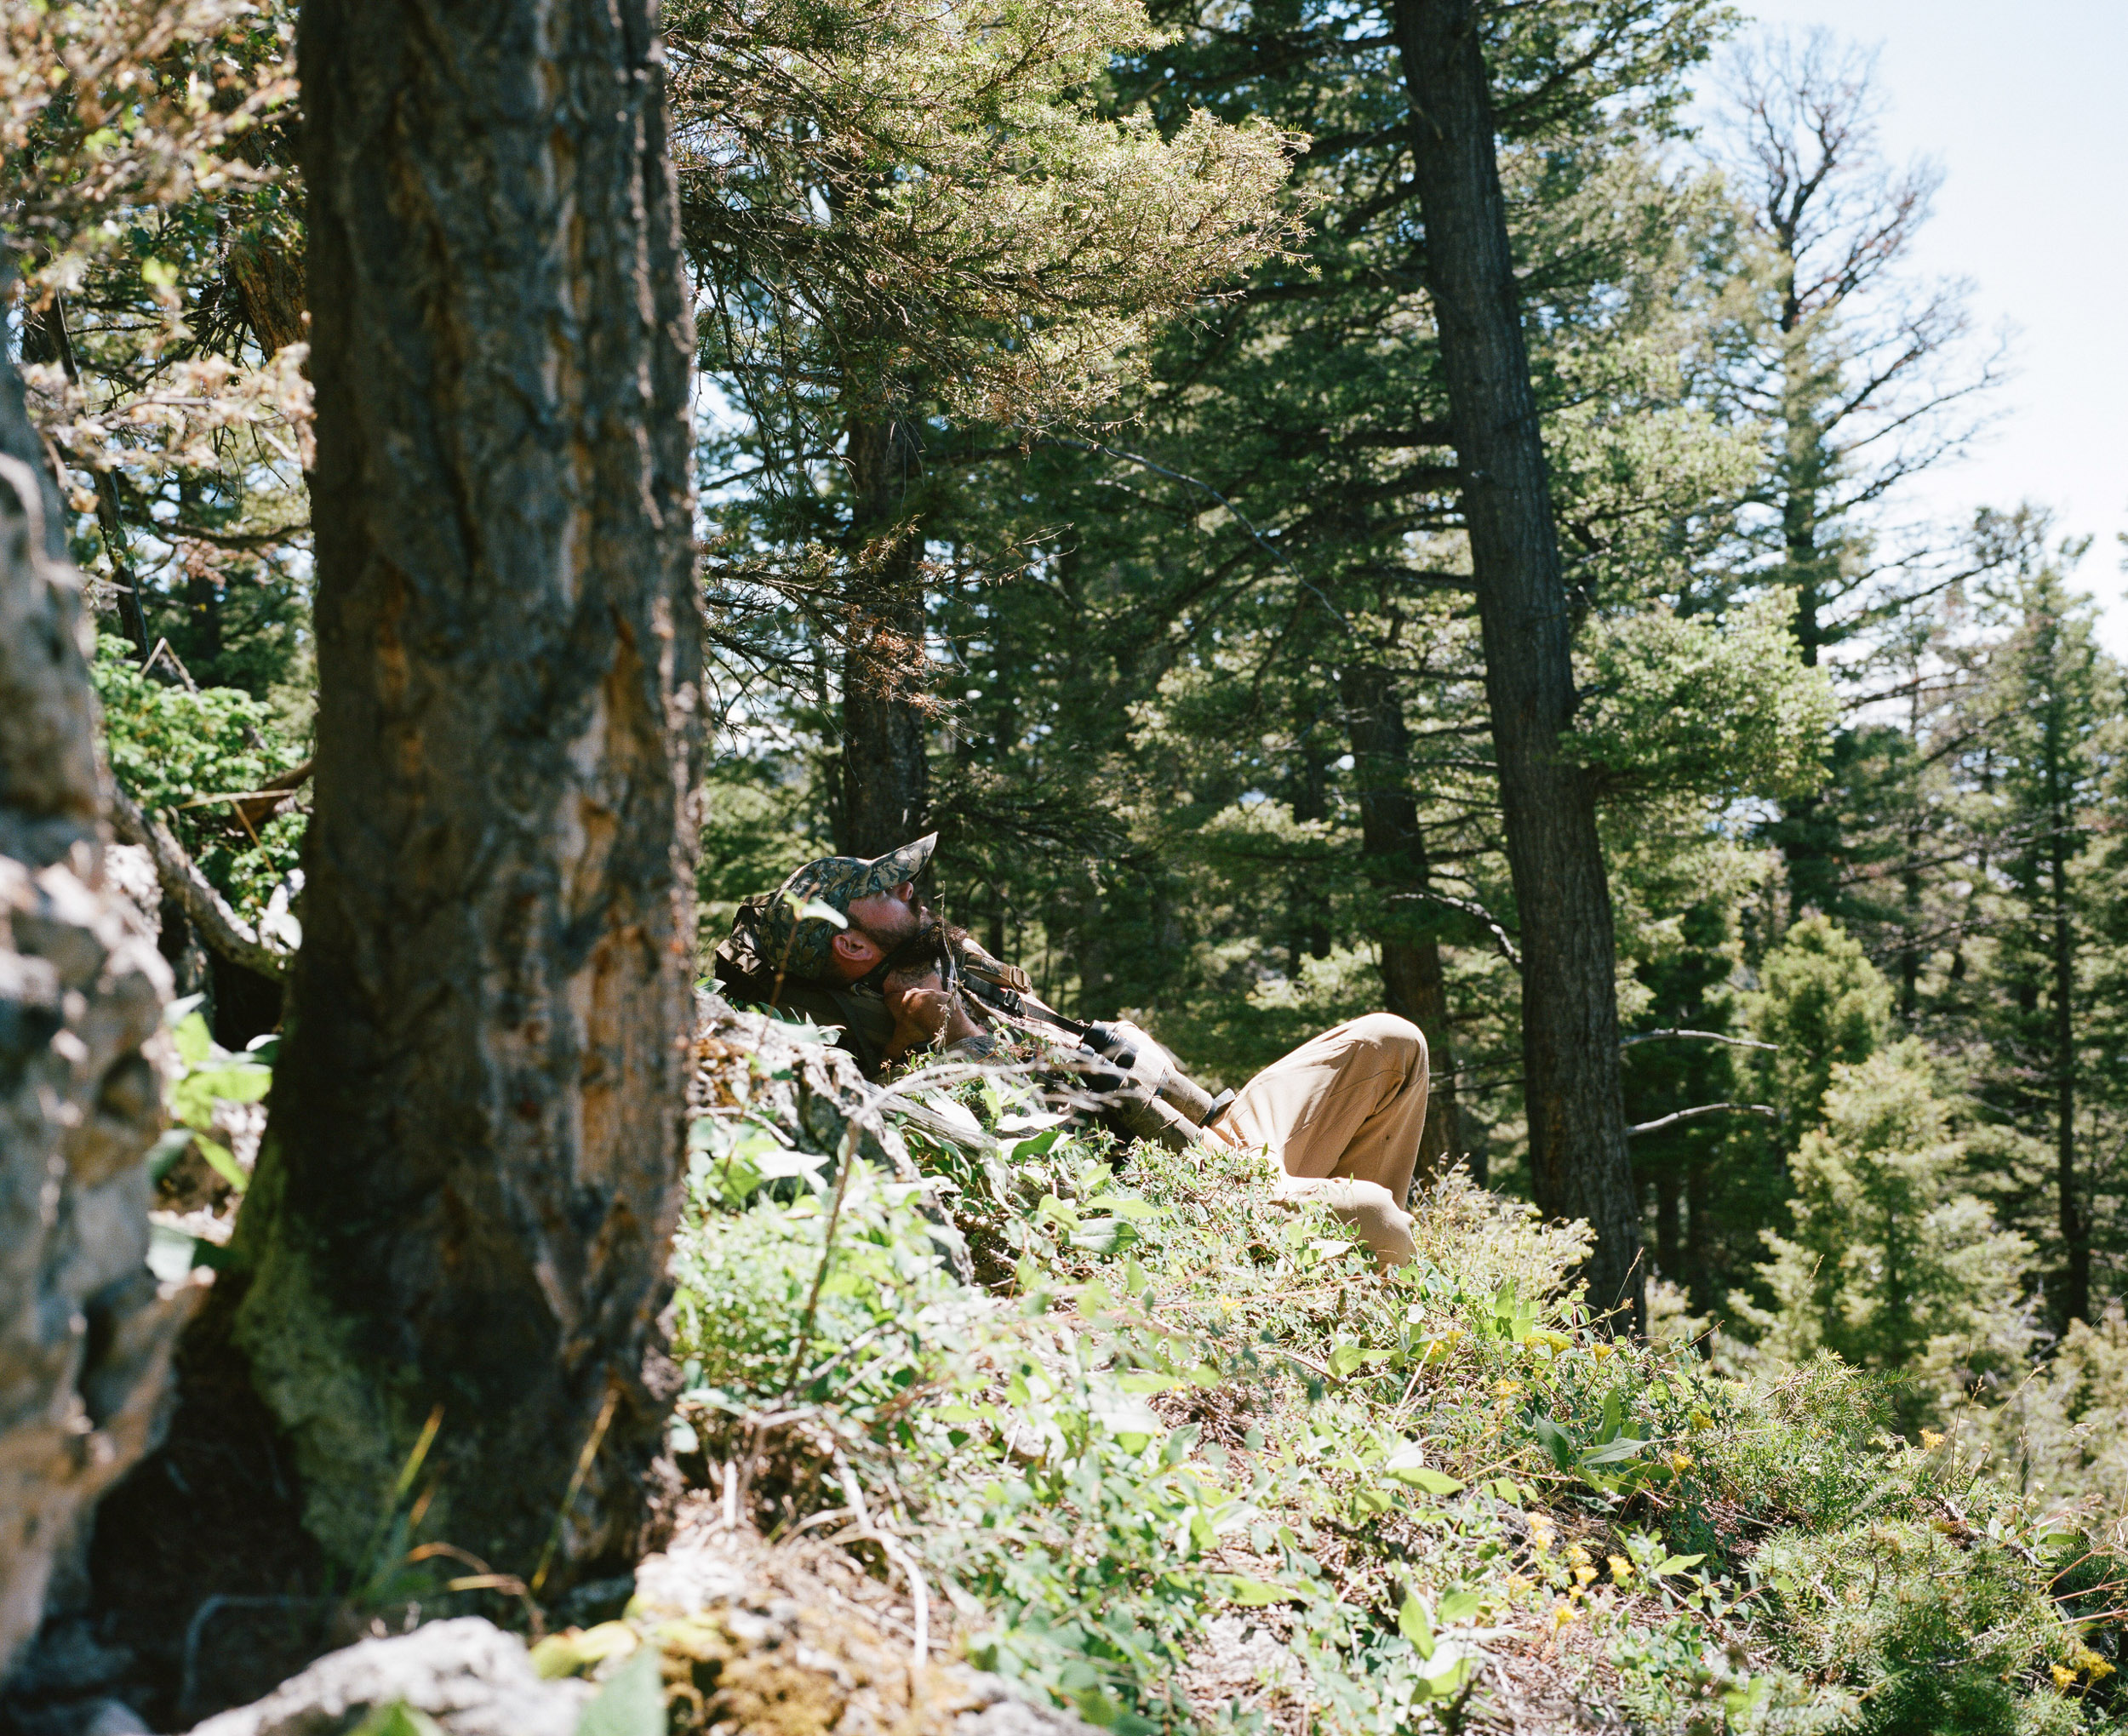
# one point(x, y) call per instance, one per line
point(85, 1333)
point(791, 1641)
point(750, 1640)
point(467, 1675)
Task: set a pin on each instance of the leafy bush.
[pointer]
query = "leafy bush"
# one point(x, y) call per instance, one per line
point(170, 745)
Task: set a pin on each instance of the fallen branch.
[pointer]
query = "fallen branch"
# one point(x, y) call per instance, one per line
point(162, 649)
point(219, 928)
point(254, 807)
point(1649, 1126)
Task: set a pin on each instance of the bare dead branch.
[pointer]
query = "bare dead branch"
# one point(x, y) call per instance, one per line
point(1650, 1127)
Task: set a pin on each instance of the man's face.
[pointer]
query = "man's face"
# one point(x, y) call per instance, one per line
point(888, 917)
point(877, 925)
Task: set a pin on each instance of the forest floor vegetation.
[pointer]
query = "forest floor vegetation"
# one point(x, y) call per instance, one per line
point(1184, 1460)
point(1117, 1426)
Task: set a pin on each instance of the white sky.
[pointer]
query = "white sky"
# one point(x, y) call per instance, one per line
point(2021, 105)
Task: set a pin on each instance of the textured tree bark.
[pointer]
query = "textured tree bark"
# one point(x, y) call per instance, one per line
point(471, 1171)
point(886, 777)
point(1414, 986)
point(85, 1334)
point(1570, 1008)
point(269, 289)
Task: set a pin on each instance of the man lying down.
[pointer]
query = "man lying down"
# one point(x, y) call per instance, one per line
point(1337, 1122)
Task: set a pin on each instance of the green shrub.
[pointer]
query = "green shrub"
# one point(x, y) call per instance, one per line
point(1941, 1633)
point(1890, 1266)
point(169, 746)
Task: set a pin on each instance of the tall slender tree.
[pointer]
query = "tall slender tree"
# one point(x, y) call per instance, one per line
point(1570, 1003)
point(1408, 931)
point(471, 1171)
point(883, 796)
point(2049, 699)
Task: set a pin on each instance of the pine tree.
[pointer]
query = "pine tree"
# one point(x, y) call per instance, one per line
point(912, 221)
point(1822, 1004)
point(1891, 1267)
point(2049, 710)
point(1284, 509)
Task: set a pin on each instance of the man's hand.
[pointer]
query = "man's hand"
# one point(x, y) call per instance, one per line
point(922, 1012)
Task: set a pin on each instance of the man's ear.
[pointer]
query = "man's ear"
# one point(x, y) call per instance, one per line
point(857, 948)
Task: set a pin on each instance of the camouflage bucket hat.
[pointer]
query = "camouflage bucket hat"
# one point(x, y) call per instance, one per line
point(797, 943)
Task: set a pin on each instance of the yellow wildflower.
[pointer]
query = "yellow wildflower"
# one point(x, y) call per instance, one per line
point(1564, 1611)
point(1583, 1574)
point(2063, 1678)
point(1680, 1463)
point(1931, 1439)
point(1620, 1569)
point(2090, 1662)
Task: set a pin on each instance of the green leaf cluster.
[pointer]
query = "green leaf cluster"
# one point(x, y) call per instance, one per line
point(170, 745)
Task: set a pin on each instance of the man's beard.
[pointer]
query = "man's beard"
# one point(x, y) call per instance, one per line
point(925, 924)
point(928, 946)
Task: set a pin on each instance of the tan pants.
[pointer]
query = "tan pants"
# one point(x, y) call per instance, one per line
point(1341, 1117)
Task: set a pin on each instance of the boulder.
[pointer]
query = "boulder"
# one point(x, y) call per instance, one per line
point(467, 1674)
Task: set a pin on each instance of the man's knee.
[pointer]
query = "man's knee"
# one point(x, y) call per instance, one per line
point(1396, 1038)
point(1369, 1207)
point(1373, 1210)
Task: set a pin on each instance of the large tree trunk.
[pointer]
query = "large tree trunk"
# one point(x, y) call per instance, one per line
point(886, 779)
point(1413, 984)
point(85, 1334)
point(472, 1168)
point(1569, 1007)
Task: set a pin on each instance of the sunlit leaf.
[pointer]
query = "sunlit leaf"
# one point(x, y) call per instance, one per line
point(632, 1701)
point(1414, 1624)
